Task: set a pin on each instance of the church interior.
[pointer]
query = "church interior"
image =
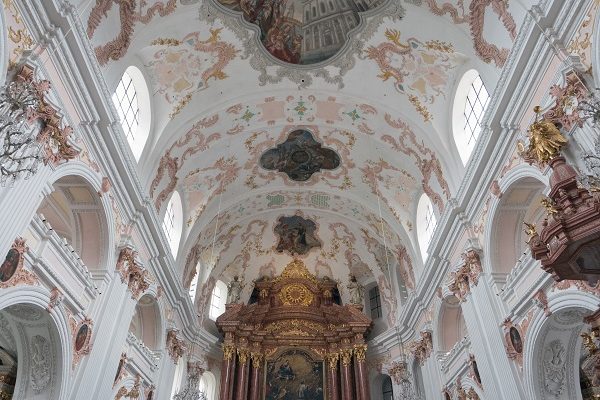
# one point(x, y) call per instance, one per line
point(370, 210)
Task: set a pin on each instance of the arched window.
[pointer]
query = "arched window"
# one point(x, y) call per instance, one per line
point(132, 101)
point(375, 302)
point(386, 389)
point(208, 385)
point(217, 301)
point(172, 222)
point(470, 102)
point(178, 378)
point(426, 223)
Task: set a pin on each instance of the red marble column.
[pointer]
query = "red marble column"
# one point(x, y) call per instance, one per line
point(332, 376)
point(256, 375)
point(242, 375)
point(227, 371)
point(346, 361)
point(361, 375)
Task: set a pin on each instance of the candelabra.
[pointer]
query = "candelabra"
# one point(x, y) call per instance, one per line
point(31, 130)
point(20, 154)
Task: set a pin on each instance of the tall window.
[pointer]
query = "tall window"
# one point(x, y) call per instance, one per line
point(132, 102)
point(386, 389)
point(172, 222)
point(375, 302)
point(477, 101)
point(426, 223)
point(470, 103)
point(217, 301)
point(126, 102)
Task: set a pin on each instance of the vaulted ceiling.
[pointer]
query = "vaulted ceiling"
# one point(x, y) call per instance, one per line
point(231, 80)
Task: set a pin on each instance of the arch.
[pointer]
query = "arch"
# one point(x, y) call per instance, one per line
point(94, 181)
point(75, 213)
point(146, 322)
point(217, 300)
point(451, 326)
point(132, 101)
point(555, 339)
point(173, 222)
point(36, 299)
point(595, 56)
point(505, 247)
point(470, 101)
point(425, 223)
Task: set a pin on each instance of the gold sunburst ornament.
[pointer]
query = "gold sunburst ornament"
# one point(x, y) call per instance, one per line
point(296, 295)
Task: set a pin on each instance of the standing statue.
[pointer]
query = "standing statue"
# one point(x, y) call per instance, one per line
point(356, 291)
point(234, 290)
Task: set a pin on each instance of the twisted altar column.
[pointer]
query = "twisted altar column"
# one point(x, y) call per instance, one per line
point(332, 376)
point(362, 379)
point(346, 360)
point(256, 375)
point(227, 371)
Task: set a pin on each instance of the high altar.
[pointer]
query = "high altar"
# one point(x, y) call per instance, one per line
point(295, 342)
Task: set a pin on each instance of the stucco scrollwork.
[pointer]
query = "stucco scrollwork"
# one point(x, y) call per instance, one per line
point(554, 368)
point(40, 364)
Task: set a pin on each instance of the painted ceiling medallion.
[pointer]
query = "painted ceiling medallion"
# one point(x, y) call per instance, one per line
point(299, 156)
point(302, 31)
point(296, 235)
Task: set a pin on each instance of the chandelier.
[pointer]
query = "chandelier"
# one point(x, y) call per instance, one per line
point(30, 129)
point(589, 109)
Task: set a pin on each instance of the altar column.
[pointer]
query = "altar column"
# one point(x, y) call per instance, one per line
point(346, 359)
point(242, 375)
point(332, 376)
point(362, 378)
point(227, 371)
point(256, 375)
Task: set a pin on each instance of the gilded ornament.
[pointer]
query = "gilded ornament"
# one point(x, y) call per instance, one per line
point(228, 351)
point(530, 230)
point(549, 205)
point(242, 355)
point(346, 356)
point(589, 342)
point(296, 295)
point(545, 140)
point(332, 359)
point(360, 351)
point(296, 269)
point(257, 358)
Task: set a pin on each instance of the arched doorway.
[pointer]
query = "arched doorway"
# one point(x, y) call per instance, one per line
point(30, 353)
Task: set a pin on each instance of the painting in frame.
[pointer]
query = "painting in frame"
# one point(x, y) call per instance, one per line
point(294, 374)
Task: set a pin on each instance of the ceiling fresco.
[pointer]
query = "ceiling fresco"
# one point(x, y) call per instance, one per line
point(299, 156)
point(297, 235)
point(301, 128)
point(302, 31)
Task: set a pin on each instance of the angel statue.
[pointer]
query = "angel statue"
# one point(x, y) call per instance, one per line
point(234, 290)
point(356, 291)
point(545, 140)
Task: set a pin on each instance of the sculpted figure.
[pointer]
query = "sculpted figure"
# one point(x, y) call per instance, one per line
point(234, 290)
point(356, 291)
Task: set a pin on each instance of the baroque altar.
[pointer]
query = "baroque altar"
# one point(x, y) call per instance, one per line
point(295, 342)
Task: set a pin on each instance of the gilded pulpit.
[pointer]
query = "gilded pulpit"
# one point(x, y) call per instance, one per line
point(295, 342)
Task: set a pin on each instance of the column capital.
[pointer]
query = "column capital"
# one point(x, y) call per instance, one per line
point(228, 351)
point(243, 355)
point(360, 352)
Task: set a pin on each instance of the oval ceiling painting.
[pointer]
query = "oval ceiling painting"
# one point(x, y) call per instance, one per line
point(302, 31)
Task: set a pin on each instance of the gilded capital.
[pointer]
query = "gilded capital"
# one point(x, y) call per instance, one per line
point(333, 358)
point(360, 351)
point(243, 355)
point(346, 356)
point(228, 351)
point(256, 358)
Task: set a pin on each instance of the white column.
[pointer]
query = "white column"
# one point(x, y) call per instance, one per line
point(111, 325)
point(483, 325)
